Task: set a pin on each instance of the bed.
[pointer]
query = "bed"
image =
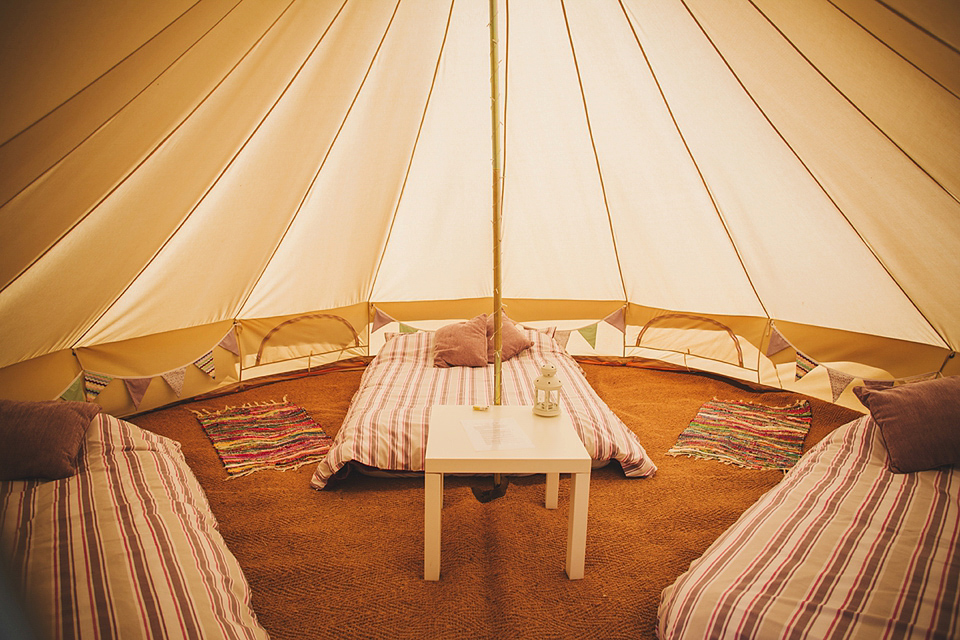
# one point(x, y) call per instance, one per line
point(385, 426)
point(847, 545)
point(123, 545)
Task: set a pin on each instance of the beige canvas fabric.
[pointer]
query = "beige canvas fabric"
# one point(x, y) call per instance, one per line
point(170, 172)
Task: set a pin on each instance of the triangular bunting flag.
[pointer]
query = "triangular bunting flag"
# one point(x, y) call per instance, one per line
point(878, 384)
point(74, 393)
point(777, 343)
point(838, 382)
point(380, 319)
point(175, 379)
point(617, 319)
point(589, 334)
point(405, 328)
point(229, 343)
point(562, 337)
point(137, 387)
point(93, 383)
point(207, 365)
point(805, 364)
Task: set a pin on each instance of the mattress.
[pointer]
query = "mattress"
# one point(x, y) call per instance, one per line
point(386, 425)
point(125, 548)
point(840, 548)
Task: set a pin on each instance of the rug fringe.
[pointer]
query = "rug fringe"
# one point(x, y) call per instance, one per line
point(245, 405)
point(798, 403)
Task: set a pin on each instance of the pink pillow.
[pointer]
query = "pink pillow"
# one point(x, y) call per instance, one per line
point(920, 422)
point(463, 344)
point(513, 340)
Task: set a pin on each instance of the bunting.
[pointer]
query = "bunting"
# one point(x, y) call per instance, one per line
point(617, 319)
point(380, 319)
point(175, 379)
point(94, 383)
point(206, 364)
point(777, 342)
point(805, 364)
point(74, 391)
point(229, 343)
point(562, 336)
point(89, 384)
point(137, 388)
point(405, 328)
point(838, 382)
point(589, 334)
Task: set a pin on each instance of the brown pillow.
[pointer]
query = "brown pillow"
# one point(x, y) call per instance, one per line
point(920, 422)
point(513, 340)
point(463, 344)
point(42, 439)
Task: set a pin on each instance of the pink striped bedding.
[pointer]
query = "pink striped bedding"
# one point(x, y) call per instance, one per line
point(126, 548)
point(841, 548)
point(385, 426)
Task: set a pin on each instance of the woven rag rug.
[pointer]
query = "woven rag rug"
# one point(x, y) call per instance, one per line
point(267, 435)
point(747, 435)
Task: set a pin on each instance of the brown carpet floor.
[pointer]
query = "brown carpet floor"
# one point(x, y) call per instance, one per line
point(347, 562)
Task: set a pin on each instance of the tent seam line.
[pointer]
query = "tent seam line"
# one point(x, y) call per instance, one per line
point(193, 209)
point(413, 154)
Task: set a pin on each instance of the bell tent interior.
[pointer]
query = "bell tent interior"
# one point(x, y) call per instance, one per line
point(757, 188)
point(195, 194)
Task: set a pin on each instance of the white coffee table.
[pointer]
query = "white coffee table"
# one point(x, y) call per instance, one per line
point(546, 445)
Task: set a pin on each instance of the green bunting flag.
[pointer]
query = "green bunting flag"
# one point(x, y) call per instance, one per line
point(590, 334)
point(74, 393)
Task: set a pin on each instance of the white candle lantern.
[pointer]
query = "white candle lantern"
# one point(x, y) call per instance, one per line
point(546, 391)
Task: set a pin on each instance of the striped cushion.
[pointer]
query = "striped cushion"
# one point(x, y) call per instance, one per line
point(841, 548)
point(385, 427)
point(127, 547)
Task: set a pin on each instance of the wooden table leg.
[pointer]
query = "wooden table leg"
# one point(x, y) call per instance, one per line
point(577, 524)
point(553, 490)
point(432, 506)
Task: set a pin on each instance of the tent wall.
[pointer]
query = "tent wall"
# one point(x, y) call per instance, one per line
point(169, 171)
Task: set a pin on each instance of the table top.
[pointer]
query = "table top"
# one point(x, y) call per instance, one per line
point(502, 439)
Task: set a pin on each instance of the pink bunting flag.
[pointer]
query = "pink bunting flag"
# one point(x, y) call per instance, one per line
point(838, 382)
point(617, 319)
point(207, 365)
point(94, 383)
point(777, 342)
point(229, 343)
point(562, 337)
point(175, 379)
point(137, 387)
point(380, 319)
point(805, 364)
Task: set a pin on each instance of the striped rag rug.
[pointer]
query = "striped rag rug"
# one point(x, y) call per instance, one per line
point(266, 435)
point(745, 434)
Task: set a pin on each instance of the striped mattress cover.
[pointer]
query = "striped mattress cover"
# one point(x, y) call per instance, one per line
point(126, 548)
point(386, 425)
point(841, 548)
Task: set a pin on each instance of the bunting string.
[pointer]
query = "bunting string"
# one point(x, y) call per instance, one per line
point(617, 320)
point(88, 385)
point(839, 380)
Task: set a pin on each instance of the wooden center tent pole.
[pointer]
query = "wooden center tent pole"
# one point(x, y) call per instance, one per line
point(495, 129)
point(499, 484)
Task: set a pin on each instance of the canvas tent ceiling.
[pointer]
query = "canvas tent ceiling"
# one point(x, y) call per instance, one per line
point(168, 170)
